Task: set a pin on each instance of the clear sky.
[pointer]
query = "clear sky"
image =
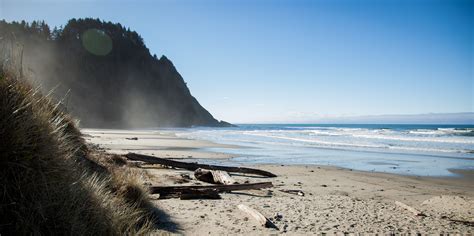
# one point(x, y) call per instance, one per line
point(295, 60)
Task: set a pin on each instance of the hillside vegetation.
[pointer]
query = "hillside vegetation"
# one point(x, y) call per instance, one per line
point(105, 74)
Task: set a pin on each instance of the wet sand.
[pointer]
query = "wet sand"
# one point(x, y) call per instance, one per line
point(335, 199)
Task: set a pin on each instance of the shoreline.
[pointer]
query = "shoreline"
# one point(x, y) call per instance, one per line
point(188, 148)
point(194, 149)
point(335, 199)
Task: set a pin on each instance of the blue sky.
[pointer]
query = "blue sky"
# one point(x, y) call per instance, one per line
point(284, 60)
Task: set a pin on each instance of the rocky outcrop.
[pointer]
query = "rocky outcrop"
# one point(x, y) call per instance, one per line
point(105, 75)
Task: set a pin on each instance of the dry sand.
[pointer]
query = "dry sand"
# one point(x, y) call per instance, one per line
point(156, 143)
point(335, 199)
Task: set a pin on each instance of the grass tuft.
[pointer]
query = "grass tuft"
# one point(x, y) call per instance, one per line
point(50, 182)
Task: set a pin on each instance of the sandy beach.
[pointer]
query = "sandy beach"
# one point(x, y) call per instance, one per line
point(236, 117)
point(335, 199)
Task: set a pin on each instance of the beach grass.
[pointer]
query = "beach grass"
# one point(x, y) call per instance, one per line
point(51, 183)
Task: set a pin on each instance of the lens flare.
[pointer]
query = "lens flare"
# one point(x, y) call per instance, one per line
point(96, 42)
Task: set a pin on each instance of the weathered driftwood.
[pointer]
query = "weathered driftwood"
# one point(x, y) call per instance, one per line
point(219, 188)
point(222, 177)
point(195, 166)
point(191, 194)
point(409, 208)
point(293, 191)
point(204, 175)
point(213, 176)
point(203, 195)
point(261, 219)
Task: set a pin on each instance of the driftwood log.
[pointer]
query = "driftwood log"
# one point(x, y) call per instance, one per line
point(170, 190)
point(291, 191)
point(195, 166)
point(214, 176)
point(204, 175)
point(191, 194)
point(261, 219)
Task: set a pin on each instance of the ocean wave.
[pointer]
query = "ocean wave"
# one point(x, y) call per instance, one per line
point(328, 144)
point(319, 141)
point(350, 130)
point(420, 140)
point(416, 139)
point(443, 132)
point(376, 134)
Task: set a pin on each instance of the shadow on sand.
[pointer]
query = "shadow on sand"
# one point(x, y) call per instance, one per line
point(163, 221)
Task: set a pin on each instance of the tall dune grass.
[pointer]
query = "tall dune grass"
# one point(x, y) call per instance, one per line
point(49, 184)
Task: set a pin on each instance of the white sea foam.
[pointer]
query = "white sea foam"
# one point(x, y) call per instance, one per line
point(319, 141)
point(376, 134)
point(416, 139)
point(441, 140)
point(331, 144)
point(419, 150)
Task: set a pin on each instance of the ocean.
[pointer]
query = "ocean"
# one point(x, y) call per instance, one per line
point(424, 150)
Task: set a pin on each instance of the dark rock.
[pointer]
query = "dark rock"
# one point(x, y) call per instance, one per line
point(278, 216)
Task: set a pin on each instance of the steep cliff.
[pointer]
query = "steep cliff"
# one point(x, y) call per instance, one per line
point(104, 74)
